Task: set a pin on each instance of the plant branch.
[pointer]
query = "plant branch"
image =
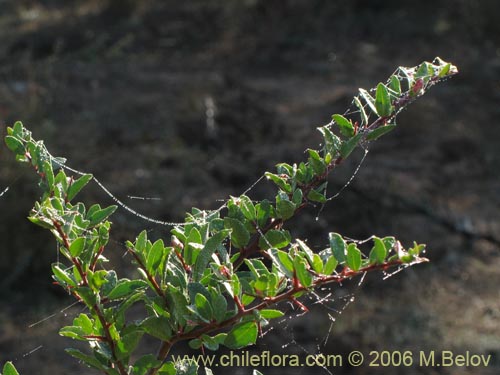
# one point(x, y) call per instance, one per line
point(96, 308)
point(93, 265)
point(270, 301)
point(151, 278)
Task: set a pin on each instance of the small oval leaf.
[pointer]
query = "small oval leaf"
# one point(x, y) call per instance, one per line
point(242, 334)
point(353, 257)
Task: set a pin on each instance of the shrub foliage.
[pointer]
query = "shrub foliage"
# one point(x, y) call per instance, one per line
point(223, 273)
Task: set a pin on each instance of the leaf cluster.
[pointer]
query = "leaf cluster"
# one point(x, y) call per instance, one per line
point(222, 275)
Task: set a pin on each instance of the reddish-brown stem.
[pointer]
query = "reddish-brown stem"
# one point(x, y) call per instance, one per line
point(96, 308)
point(178, 247)
point(238, 303)
point(186, 267)
point(299, 304)
point(253, 246)
point(61, 233)
point(269, 301)
point(105, 325)
point(150, 277)
point(93, 265)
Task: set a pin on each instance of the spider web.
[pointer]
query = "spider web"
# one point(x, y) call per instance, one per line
point(325, 296)
point(328, 297)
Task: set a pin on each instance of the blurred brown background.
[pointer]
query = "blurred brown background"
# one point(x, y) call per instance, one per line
point(192, 101)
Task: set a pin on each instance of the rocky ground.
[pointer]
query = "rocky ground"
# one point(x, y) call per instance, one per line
point(125, 90)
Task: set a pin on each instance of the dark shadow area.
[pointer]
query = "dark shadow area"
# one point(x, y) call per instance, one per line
point(192, 101)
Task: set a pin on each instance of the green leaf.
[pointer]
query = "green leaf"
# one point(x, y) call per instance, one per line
point(62, 180)
point(194, 288)
point(124, 288)
point(203, 307)
point(306, 251)
point(424, 71)
point(317, 263)
point(178, 303)
point(219, 305)
point(275, 238)
point(72, 332)
point(49, 174)
point(444, 70)
point(62, 276)
point(247, 207)
point(145, 363)
point(314, 196)
point(216, 225)
point(349, 145)
point(33, 149)
point(364, 117)
point(234, 210)
point(297, 197)
point(167, 369)
point(389, 243)
point(9, 369)
point(17, 130)
point(378, 252)
point(286, 261)
point(157, 326)
point(271, 314)
point(369, 100)
point(395, 85)
point(346, 127)
point(194, 236)
point(284, 168)
point(263, 210)
point(330, 265)
point(155, 257)
point(353, 257)
point(257, 267)
point(57, 162)
point(285, 209)
point(77, 246)
point(416, 249)
point(101, 215)
point(241, 335)
point(302, 272)
point(317, 163)
point(332, 142)
point(206, 253)
point(261, 285)
point(313, 154)
point(85, 323)
point(110, 282)
point(14, 144)
point(141, 241)
point(195, 344)
point(97, 279)
point(78, 185)
point(338, 246)
point(42, 222)
point(280, 181)
point(377, 133)
point(88, 360)
point(211, 343)
point(383, 101)
point(239, 234)
point(87, 295)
